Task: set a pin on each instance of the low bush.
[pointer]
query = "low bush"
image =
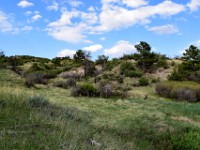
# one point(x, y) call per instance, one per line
point(162, 63)
point(2, 103)
point(143, 81)
point(37, 101)
point(105, 89)
point(35, 78)
point(65, 84)
point(188, 91)
point(128, 69)
point(86, 89)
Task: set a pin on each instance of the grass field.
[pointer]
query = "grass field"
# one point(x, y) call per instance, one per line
point(93, 123)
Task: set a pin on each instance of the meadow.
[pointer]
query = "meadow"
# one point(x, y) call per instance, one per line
point(47, 117)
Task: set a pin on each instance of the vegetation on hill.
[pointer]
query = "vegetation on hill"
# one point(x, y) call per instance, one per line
point(77, 103)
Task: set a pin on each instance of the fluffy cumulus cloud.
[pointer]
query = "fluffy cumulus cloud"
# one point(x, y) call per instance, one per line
point(75, 3)
point(123, 17)
point(93, 48)
point(27, 28)
point(66, 52)
point(64, 29)
point(54, 6)
point(194, 5)
point(134, 3)
point(164, 29)
point(74, 25)
point(121, 48)
point(36, 17)
point(25, 4)
point(5, 25)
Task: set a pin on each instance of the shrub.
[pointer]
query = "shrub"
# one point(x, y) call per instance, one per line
point(162, 63)
point(34, 78)
point(37, 101)
point(143, 81)
point(2, 103)
point(61, 84)
point(185, 94)
point(133, 73)
point(128, 69)
point(71, 82)
point(105, 89)
point(86, 89)
point(65, 84)
point(75, 91)
point(188, 91)
point(35, 67)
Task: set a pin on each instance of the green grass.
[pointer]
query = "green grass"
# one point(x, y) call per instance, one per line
point(72, 123)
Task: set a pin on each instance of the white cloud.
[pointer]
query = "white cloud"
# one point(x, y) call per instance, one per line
point(75, 3)
point(122, 17)
point(197, 43)
point(5, 25)
point(65, 19)
point(66, 52)
point(64, 29)
point(36, 17)
point(67, 34)
point(28, 13)
point(93, 48)
point(25, 4)
point(27, 28)
point(74, 26)
point(134, 3)
point(54, 6)
point(164, 29)
point(121, 48)
point(102, 38)
point(194, 5)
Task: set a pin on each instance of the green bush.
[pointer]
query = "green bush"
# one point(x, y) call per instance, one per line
point(143, 81)
point(2, 103)
point(37, 101)
point(188, 91)
point(86, 89)
point(162, 63)
point(189, 140)
point(128, 69)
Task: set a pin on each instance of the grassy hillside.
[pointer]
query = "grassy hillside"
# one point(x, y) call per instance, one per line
point(47, 117)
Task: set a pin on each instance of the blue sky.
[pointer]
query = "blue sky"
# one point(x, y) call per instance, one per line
point(50, 28)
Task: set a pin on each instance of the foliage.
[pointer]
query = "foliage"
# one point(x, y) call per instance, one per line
point(102, 60)
point(79, 56)
point(146, 58)
point(128, 69)
point(179, 90)
point(143, 81)
point(189, 69)
point(89, 67)
point(65, 84)
point(37, 101)
point(86, 89)
point(35, 78)
point(105, 89)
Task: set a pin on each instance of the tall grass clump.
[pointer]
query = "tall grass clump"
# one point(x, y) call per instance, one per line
point(188, 91)
point(37, 101)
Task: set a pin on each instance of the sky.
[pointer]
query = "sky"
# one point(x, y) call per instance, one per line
point(58, 28)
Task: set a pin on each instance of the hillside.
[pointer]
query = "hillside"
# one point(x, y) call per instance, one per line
point(46, 116)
